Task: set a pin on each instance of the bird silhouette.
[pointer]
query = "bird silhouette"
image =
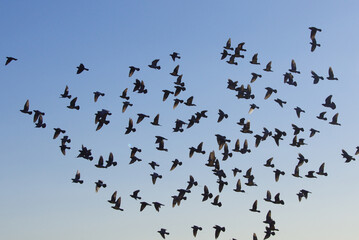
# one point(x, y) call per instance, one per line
point(268, 67)
point(175, 55)
point(132, 70)
point(66, 93)
point(26, 108)
point(335, 120)
point(255, 59)
point(195, 230)
point(135, 196)
point(154, 64)
point(73, 104)
point(254, 207)
point(293, 68)
point(9, 60)
point(124, 94)
point(331, 74)
point(77, 178)
point(328, 102)
point(97, 94)
point(218, 229)
point(163, 232)
point(81, 68)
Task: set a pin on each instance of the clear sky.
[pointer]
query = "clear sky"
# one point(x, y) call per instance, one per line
point(38, 199)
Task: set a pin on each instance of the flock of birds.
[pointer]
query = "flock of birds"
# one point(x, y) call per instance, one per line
point(242, 92)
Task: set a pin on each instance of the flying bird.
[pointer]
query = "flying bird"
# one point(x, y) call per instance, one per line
point(132, 70)
point(9, 60)
point(77, 178)
point(81, 68)
point(154, 64)
point(175, 55)
point(26, 108)
point(73, 104)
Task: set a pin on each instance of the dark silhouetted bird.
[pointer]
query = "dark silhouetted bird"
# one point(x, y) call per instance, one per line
point(125, 105)
point(100, 184)
point(314, 44)
point(132, 70)
point(9, 60)
point(206, 194)
point(335, 120)
point(316, 77)
point(154, 177)
point(81, 68)
point(331, 74)
point(310, 174)
point(135, 196)
point(124, 94)
point(277, 174)
point(153, 165)
point(218, 231)
point(224, 54)
point(347, 157)
point(280, 102)
point(255, 59)
point(254, 207)
point(321, 116)
point(155, 120)
point(73, 104)
point(298, 110)
point(313, 31)
point(157, 205)
point(216, 202)
point(154, 64)
point(97, 94)
point(66, 93)
point(269, 92)
point(77, 178)
point(113, 198)
point(175, 55)
point(228, 45)
point(269, 163)
point(313, 132)
point(195, 230)
point(175, 71)
point(268, 67)
point(221, 116)
point(238, 187)
point(57, 132)
point(26, 108)
point(143, 205)
point(118, 205)
point(255, 76)
point(141, 117)
point(293, 68)
point(163, 232)
point(321, 170)
point(130, 127)
point(296, 172)
point(328, 102)
point(166, 93)
point(175, 163)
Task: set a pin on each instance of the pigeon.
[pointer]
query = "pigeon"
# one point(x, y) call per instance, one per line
point(252, 107)
point(331, 74)
point(255, 76)
point(328, 102)
point(221, 116)
point(195, 230)
point(254, 207)
point(219, 229)
point(335, 120)
point(313, 31)
point(66, 93)
point(176, 163)
point(40, 123)
point(175, 55)
point(228, 45)
point(77, 178)
point(321, 170)
point(110, 162)
point(268, 67)
point(206, 194)
point(298, 110)
point(118, 205)
point(73, 104)
point(163, 232)
point(316, 77)
point(314, 45)
point(269, 92)
point(189, 102)
point(231, 60)
point(130, 127)
point(310, 174)
point(238, 187)
point(154, 177)
point(37, 114)
point(141, 116)
point(58, 131)
point(9, 60)
point(154, 64)
point(175, 71)
point(296, 172)
point(81, 68)
point(293, 68)
point(113, 198)
point(26, 108)
point(143, 205)
point(313, 132)
point(216, 202)
point(135, 196)
point(278, 173)
point(100, 163)
point(255, 59)
point(348, 158)
point(100, 184)
point(191, 182)
point(280, 102)
point(321, 116)
point(124, 94)
point(155, 120)
point(157, 205)
point(97, 94)
point(153, 165)
point(132, 70)
point(269, 163)
point(224, 54)
point(166, 93)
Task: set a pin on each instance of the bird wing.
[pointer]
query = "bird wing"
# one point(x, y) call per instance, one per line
point(330, 71)
point(293, 65)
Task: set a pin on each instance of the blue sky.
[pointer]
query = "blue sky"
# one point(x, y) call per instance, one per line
point(51, 39)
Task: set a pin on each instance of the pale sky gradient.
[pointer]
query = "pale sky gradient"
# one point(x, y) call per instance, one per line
point(40, 202)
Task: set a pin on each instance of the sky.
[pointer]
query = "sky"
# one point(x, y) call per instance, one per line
point(39, 200)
